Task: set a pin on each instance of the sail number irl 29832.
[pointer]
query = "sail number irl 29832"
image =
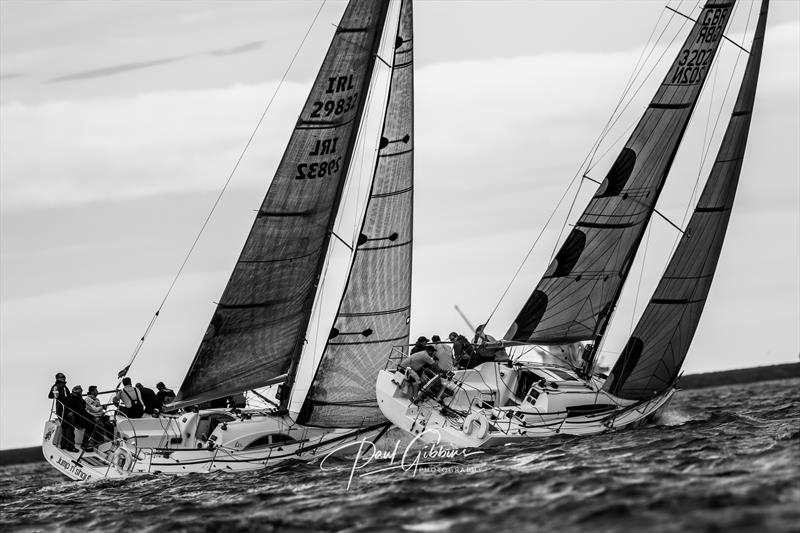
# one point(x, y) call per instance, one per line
point(322, 147)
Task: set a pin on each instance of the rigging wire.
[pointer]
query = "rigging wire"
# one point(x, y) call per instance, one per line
point(644, 79)
point(708, 139)
point(592, 151)
point(641, 275)
point(358, 168)
point(704, 155)
point(631, 79)
point(316, 357)
point(150, 325)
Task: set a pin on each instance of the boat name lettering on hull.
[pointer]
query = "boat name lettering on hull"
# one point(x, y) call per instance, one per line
point(72, 468)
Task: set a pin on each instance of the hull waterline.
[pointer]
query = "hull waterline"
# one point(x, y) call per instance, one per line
point(467, 419)
point(122, 457)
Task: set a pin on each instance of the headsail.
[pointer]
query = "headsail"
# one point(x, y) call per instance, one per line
point(374, 311)
point(653, 355)
point(579, 290)
point(258, 329)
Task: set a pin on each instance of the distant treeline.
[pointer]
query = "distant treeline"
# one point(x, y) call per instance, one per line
point(741, 375)
point(21, 455)
point(691, 381)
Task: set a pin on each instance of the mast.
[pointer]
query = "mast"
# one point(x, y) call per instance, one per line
point(575, 298)
point(652, 357)
point(257, 331)
point(374, 311)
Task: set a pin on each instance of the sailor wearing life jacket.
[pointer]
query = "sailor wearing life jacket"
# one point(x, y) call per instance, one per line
point(131, 400)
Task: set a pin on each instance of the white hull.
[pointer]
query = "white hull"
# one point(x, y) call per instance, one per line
point(238, 445)
point(481, 407)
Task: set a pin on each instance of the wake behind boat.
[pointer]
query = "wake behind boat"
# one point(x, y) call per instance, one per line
point(569, 311)
point(262, 333)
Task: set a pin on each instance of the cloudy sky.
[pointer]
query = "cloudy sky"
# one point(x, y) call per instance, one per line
point(120, 122)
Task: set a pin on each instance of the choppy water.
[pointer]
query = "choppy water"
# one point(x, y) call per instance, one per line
point(723, 459)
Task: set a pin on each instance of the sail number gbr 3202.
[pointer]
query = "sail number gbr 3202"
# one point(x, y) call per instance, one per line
point(692, 62)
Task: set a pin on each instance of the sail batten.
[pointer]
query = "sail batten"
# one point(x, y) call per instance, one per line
point(373, 314)
point(578, 292)
point(258, 328)
point(652, 357)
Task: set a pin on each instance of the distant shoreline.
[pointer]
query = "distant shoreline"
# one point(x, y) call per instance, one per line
point(33, 454)
point(739, 375)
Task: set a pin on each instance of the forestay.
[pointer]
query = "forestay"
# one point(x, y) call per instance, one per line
point(374, 312)
point(258, 328)
point(653, 355)
point(576, 296)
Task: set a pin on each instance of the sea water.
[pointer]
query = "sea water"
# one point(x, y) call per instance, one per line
point(721, 459)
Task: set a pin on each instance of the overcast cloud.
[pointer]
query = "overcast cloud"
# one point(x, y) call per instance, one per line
point(107, 177)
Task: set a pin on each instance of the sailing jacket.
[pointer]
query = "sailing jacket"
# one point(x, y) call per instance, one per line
point(60, 394)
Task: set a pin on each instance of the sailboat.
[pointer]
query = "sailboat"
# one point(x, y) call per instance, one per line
point(567, 314)
point(259, 335)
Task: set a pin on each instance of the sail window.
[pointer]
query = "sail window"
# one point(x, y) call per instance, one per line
point(267, 440)
point(565, 376)
point(618, 175)
point(531, 314)
point(570, 253)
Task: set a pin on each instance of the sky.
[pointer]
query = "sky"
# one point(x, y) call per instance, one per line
point(120, 122)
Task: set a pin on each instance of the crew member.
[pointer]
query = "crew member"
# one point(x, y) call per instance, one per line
point(420, 345)
point(163, 396)
point(60, 393)
point(444, 353)
point(148, 398)
point(463, 352)
point(421, 368)
point(131, 399)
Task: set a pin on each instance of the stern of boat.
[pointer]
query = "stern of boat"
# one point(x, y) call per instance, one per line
point(423, 421)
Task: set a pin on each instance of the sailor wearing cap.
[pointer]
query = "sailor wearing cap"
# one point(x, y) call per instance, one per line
point(420, 345)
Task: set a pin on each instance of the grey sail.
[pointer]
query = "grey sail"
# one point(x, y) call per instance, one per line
point(577, 294)
point(374, 312)
point(258, 328)
point(653, 355)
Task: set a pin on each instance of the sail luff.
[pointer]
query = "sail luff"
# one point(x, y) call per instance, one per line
point(576, 296)
point(653, 355)
point(332, 221)
point(258, 328)
point(374, 310)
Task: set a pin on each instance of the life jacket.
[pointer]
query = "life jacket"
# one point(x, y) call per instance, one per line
point(136, 410)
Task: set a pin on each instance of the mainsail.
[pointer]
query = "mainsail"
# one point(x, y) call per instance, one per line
point(653, 355)
point(374, 312)
point(258, 328)
point(577, 294)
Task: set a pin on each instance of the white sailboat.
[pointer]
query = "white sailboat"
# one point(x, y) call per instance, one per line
point(258, 335)
point(569, 311)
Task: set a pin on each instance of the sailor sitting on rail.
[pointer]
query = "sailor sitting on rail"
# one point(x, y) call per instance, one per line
point(420, 368)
